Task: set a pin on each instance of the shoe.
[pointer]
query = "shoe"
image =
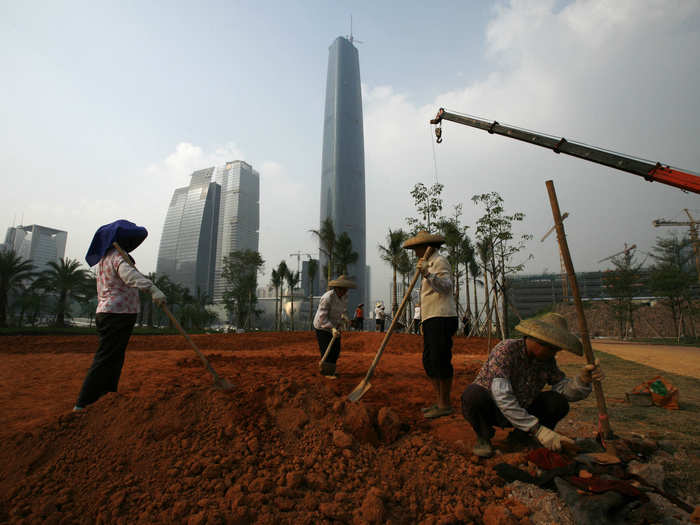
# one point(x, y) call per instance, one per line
point(482, 448)
point(77, 408)
point(428, 409)
point(438, 412)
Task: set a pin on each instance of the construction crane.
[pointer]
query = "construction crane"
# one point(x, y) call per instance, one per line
point(564, 283)
point(625, 251)
point(685, 180)
point(692, 225)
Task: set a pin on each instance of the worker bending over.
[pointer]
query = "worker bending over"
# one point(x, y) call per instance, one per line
point(507, 392)
point(329, 319)
point(438, 320)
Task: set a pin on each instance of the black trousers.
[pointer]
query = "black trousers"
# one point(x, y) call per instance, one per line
point(479, 408)
point(437, 346)
point(324, 337)
point(104, 373)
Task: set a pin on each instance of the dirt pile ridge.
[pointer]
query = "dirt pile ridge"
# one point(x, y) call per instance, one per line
point(284, 447)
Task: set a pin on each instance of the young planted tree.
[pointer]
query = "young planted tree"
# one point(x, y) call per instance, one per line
point(68, 280)
point(311, 271)
point(13, 270)
point(282, 272)
point(623, 284)
point(391, 254)
point(405, 268)
point(276, 281)
point(466, 256)
point(326, 240)
point(344, 256)
point(483, 248)
point(454, 233)
point(475, 271)
point(428, 204)
point(292, 282)
point(240, 273)
point(672, 277)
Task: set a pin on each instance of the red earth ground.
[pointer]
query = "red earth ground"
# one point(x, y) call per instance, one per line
point(285, 446)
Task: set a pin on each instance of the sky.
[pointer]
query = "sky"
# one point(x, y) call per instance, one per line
point(107, 107)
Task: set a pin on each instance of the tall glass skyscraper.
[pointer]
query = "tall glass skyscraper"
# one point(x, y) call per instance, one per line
point(343, 161)
point(38, 244)
point(218, 213)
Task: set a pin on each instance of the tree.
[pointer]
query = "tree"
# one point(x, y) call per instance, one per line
point(344, 256)
point(13, 270)
point(282, 271)
point(326, 239)
point(292, 282)
point(475, 271)
point(405, 266)
point(68, 280)
point(240, 273)
point(622, 285)
point(466, 256)
point(391, 253)
point(428, 204)
point(672, 277)
point(311, 270)
point(276, 281)
point(454, 233)
point(483, 248)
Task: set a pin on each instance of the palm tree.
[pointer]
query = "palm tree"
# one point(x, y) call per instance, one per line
point(292, 281)
point(311, 270)
point(13, 270)
point(326, 239)
point(68, 279)
point(391, 253)
point(276, 281)
point(344, 256)
point(282, 271)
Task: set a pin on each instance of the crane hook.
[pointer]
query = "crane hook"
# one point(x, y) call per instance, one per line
point(438, 134)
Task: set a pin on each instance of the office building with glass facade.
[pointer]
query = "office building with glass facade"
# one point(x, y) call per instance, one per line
point(38, 244)
point(343, 160)
point(218, 213)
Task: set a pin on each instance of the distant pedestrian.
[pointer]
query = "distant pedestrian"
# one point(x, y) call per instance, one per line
point(118, 304)
point(438, 320)
point(416, 319)
point(329, 319)
point(359, 317)
point(380, 316)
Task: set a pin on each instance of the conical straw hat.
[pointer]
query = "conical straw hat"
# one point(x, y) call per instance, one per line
point(342, 282)
point(423, 237)
point(551, 328)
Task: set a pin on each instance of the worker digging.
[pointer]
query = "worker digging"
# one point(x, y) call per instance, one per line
point(329, 320)
point(438, 319)
point(507, 392)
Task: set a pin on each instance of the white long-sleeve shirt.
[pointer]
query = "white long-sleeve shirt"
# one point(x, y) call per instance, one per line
point(330, 310)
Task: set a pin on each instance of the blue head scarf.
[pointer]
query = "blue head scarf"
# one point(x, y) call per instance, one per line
point(127, 234)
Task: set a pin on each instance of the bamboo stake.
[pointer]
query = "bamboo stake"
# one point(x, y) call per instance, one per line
point(605, 429)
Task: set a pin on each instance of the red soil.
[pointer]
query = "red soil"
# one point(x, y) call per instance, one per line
point(285, 446)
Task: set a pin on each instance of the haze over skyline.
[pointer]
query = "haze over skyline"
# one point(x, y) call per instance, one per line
point(108, 108)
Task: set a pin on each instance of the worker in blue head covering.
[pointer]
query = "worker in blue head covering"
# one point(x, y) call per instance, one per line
point(118, 285)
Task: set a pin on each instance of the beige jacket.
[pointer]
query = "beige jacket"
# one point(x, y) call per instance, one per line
point(436, 299)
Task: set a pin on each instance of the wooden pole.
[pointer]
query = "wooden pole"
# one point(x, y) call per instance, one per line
point(607, 433)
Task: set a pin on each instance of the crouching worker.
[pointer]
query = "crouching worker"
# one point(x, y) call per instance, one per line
point(329, 319)
point(118, 285)
point(507, 392)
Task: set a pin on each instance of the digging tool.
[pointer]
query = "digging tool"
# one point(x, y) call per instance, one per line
point(604, 422)
point(328, 350)
point(219, 382)
point(364, 386)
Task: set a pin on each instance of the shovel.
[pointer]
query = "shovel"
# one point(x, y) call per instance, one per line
point(219, 382)
point(328, 350)
point(364, 386)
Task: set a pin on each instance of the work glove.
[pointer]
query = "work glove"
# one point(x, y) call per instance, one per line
point(422, 267)
point(335, 332)
point(550, 439)
point(158, 296)
point(590, 373)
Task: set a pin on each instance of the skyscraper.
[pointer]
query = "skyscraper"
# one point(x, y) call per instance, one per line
point(343, 161)
point(38, 244)
point(218, 213)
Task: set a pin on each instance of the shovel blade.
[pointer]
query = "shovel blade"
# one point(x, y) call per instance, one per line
point(360, 390)
point(223, 384)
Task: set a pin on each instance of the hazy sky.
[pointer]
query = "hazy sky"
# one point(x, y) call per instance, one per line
point(106, 108)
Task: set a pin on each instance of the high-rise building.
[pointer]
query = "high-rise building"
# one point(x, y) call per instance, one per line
point(38, 244)
point(343, 161)
point(218, 213)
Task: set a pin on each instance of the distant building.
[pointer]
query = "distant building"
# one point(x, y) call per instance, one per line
point(218, 213)
point(38, 244)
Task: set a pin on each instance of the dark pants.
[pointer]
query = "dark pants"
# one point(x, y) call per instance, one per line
point(416, 326)
point(479, 408)
point(379, 323)
point(437, 346)
point(324, 337)
point(103, 376)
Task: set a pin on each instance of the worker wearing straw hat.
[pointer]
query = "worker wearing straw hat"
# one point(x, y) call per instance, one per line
point(329, 319)
point(438, 320)
point(507, 392)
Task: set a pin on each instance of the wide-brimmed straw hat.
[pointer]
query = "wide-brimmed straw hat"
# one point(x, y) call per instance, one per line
point(342, 282)
point(424, 238)
point(551, 328)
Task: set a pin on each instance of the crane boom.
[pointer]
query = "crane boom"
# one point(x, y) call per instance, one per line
point(649, 170)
